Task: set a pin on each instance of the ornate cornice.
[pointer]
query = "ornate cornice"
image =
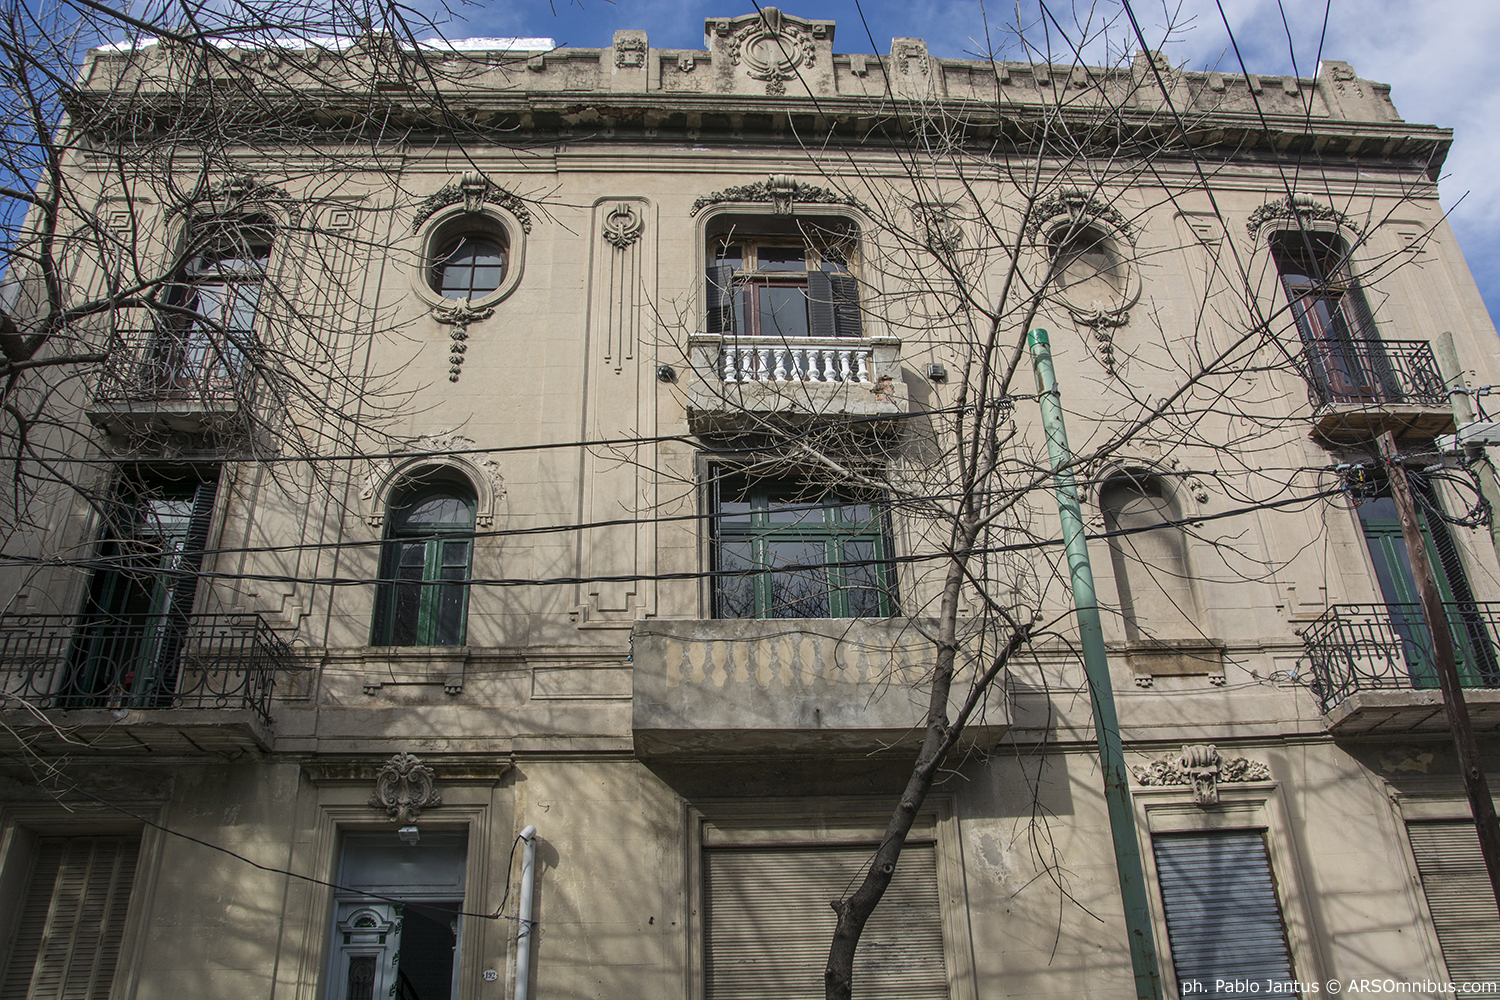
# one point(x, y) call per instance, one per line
point(474, 190)
point(1201, 766)
point(781, 191)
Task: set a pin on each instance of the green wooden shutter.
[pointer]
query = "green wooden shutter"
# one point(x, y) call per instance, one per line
point(768, 925)
point(846, 315)
point(72, 919)
point(820, 313)
point(1457, 886)
point(1219, 899)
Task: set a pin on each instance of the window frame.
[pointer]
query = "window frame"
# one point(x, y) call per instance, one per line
point(446, 227)
point(437, 539)
point(197, 355)
point(1242, 806)
point(831, 274)
point(443, 259)
point(761, 531)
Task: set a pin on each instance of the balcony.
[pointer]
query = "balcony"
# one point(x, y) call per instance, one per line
point(787, 687)
point(1373, 673)
point(123, 683)
point(1361, 387)
point(154, 382)
point(738, 382)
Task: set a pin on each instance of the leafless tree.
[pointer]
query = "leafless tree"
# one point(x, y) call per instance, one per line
point(986, 220)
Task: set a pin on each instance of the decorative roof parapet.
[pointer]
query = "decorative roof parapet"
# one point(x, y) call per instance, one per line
point(1201, 766)
point(781, 191)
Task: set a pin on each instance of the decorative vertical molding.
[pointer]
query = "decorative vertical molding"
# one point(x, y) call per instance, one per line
point(620, 393)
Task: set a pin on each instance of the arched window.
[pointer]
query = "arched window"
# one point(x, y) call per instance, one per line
point(428, 548)
point(1151, 566)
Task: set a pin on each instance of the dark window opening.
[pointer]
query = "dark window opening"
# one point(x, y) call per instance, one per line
point(427, 553)
point(469, 267)
point(129, 647)
point(801, 283)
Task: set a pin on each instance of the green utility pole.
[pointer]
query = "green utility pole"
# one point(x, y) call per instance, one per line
point(1096, 666)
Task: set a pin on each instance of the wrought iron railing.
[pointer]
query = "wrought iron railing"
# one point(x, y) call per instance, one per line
point(802, 359)
point(155, 365)
point(1368, 647)
point(158, 661)
point(1344, 371)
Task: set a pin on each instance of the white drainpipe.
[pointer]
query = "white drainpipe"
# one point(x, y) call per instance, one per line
point(523, 932)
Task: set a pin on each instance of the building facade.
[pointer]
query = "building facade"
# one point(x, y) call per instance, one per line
point(278, 703)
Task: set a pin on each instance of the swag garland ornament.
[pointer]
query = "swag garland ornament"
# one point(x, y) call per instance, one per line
point(1201, 766)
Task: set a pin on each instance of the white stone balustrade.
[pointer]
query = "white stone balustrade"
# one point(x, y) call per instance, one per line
point(748, 359)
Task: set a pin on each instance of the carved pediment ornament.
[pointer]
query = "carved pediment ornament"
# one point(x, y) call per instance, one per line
point(1201, 766)
point(403, 788)
point(428, 450)
point(772, 46)
point(623, 226)
point(473, 190)
point(1074, 207)
point(1295, 210)
point(778, 189)
point(630, 53)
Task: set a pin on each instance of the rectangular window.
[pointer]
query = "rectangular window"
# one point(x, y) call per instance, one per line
point(1223, 919)
point(72, 919)
point(206, 321)
point(767, 923)
point(1457, 886)
point(789, 550)
point(782, 287)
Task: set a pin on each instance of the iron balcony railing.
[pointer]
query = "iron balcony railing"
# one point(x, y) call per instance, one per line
point(1373, 647)
point(160, 366)
point(152, 661)
point(1349, 371)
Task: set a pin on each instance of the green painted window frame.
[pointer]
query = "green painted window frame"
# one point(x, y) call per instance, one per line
point(446, 552)
point(753, 518)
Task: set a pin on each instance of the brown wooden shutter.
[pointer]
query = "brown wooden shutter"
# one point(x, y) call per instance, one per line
point(72, 919)
point(1457, 887)
point(768, 925)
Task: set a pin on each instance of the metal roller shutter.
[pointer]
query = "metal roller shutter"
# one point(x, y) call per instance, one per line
point(767, 924)
point(72, 919)
point(1457, 887)
point(1223, 919)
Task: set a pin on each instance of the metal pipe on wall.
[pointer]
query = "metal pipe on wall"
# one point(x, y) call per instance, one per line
point(523, 931)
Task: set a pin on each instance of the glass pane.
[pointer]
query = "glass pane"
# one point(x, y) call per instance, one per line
point(783, 311)
point(856, 513)
point(727, 256)
point(781, 258)
point(451, 599)
point(806, 510)
point(734, 596)
point(361, 977)
point(734, 513)
point(803, 592)
point(470, 268)
point(437, 509)
point(862, 584)
point(406, 601)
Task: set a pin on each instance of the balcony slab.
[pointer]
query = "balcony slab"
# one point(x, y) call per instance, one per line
point(1407, 712)
point(788, 686)
point(101, 731)
point(1347, 424)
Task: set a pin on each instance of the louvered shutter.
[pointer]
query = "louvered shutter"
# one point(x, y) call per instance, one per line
point(183, 595)
point(768, 925)
point(1457, 886)
point(820, 305)
point(1219, 900)
point(72, 919)
point(720, 289)
point(846, 315)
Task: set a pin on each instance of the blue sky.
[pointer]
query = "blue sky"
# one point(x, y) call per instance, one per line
point(1439, 57)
